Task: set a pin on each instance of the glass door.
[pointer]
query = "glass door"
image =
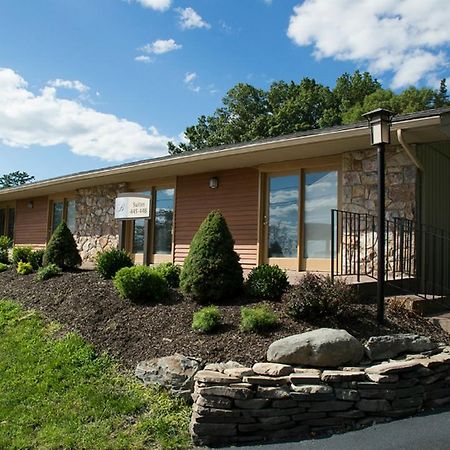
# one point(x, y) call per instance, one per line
point(282, 220)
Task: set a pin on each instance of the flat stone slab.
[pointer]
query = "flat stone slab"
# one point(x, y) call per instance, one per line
point(305, 378)
point(262, 380)
point(377, 378)
point(272, 369)
point(224, 391)
point(312, 389)
point(209, 376)
point(342, 375)
point(239, 372)
point(394, 367)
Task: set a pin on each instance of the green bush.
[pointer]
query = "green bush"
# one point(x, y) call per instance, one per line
point(317, 296)
point(141, 283)
point(211, 271)
point(62, 249)
point(258, 319)
point(5, 243)
point(207, 319)
point(267, 282)
point(3, 267)
point(47, 272)
point(36, 258)
point(21, 254)
point(107, 263)
point(170, 272)
point(24, 268)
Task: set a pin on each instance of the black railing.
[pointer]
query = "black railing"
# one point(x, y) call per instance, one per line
point(417, 257)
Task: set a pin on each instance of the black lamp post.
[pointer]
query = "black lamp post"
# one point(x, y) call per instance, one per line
point(380, 125)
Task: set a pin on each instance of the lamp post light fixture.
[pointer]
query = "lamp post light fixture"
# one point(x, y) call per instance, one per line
point(380, 126)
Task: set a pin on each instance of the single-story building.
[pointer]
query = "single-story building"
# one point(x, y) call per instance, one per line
point(276, 194)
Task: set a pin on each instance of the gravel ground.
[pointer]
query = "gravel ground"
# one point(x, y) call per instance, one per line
point(83, 302)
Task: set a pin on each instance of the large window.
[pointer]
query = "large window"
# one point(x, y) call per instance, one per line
point(7, 221)
point(139, 232)
point(283, 216)
point(64, 210)
point(320, 199)
point(164, 200)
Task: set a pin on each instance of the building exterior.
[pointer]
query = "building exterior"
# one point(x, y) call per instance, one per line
point(276, 194)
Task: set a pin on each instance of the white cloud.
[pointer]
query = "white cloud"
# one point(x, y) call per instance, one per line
point(43, 119)
point(189, 81)
point(69, 84)
point(143, 58)
point(158, 5)
point(190, 19)
point(160, 46)
point(403, 37)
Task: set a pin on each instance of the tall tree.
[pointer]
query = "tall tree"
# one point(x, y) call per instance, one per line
point(15, 179)
point(248, 113)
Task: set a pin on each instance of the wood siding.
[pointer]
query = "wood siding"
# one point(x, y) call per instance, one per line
point(236, 197)
point(32, 223)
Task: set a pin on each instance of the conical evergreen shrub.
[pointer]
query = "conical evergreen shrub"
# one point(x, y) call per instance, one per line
point(211, 271)
point(62, 249)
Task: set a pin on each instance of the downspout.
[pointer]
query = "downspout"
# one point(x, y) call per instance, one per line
point(409, 150)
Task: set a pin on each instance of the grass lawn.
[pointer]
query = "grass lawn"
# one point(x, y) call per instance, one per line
point(55, 392)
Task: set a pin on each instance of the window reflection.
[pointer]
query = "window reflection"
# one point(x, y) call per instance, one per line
point(11, 222)
point(71, 214)
point(139, 232)
point(283, 216)
point(2, 221)
point(58, 214)
point(163, 221)
point(320, 199)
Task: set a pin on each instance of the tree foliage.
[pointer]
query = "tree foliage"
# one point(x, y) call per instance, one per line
point(62, 249)
point(248, 113)
point(15, 179)
point(211, 271)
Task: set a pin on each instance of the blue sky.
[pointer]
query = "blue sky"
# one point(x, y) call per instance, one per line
point(90, 83)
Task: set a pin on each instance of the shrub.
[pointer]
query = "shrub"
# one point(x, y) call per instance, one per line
point(24, 268)
point(5, 242)
point(62, 249)
point(170, 272)
point(318, 296)
point(21, 254)
point(258, 319)
point(36, 258)
point(107, 263)
point(207, 319)
point(211, 270)
point(3, 267)
point(267, 282)
point(47, 272)
point(141, 283)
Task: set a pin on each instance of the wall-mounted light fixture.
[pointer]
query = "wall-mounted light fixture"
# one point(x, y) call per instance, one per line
point(213, 182)
point(30, 204)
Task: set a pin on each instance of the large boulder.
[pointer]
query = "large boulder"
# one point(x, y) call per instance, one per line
point(325, 347)
point(384, 347)
point(175, 373)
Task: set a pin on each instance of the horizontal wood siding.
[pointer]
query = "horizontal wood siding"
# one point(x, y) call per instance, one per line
point(236, 197)
point(31, 223)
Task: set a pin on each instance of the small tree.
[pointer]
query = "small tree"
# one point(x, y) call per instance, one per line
point(211, 270)
point(62, 249)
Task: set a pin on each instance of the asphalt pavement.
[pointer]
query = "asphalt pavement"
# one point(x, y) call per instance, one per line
point(425, 432)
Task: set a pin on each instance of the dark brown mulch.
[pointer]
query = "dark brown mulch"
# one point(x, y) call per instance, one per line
point(85, 303)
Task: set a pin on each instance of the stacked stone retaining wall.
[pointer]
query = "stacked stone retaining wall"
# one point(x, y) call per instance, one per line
point(275, 401)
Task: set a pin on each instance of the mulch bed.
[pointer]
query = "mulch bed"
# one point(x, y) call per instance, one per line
point(83, 302)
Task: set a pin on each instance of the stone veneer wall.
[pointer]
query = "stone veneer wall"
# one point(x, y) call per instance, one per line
point(96, 228)
point(360, 183)
point(276, 401)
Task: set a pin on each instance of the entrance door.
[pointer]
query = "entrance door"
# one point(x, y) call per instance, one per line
point(282, 220)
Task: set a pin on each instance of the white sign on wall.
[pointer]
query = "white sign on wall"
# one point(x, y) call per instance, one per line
point(132, 206)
